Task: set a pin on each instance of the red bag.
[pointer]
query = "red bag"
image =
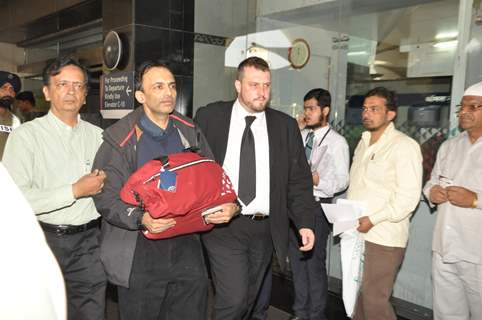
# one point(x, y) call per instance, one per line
point(180, 186)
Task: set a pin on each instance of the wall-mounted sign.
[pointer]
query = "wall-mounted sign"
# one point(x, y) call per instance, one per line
point(117, 94)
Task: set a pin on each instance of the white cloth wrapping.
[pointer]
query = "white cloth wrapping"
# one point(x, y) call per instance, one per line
point(352, 252)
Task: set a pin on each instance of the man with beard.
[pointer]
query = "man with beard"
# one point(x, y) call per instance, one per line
point(156, 279)
point(455, 187)
point(386, 175)
point(328, 155)
point(9, 86)
point(262, 152)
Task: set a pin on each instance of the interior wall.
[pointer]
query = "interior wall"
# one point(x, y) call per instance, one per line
point(10, 57)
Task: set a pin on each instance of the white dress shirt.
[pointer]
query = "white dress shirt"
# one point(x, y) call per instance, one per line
point(330, 159)
point(458, 231)
point(260, 203)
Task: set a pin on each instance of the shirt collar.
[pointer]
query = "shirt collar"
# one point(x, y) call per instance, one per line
point(366, 135)
point(240, 112)
point(465, 135)
point(62, 125)
point(320, 132)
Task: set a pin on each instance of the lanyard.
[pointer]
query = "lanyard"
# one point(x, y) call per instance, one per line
point(324, 136)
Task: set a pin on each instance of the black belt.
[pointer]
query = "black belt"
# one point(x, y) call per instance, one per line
point(323, 200)
point(61, 229)
point(256, 216)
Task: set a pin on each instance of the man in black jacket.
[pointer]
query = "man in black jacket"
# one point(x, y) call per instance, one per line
point(157, 279)
point(262, 152)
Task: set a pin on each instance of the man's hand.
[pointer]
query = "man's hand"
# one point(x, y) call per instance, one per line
point(438, 194)
point(301, 121)
point(227, 212)
point(307, 239)
point(365, 224)
point(460, 197)
point(89, 185)
point(316, 178)
point(157, 225)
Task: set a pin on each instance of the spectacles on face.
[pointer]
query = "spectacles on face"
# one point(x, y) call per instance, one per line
point(65, 85)
point(471, 108)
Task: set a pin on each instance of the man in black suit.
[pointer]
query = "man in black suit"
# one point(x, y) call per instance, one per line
point(262, 152)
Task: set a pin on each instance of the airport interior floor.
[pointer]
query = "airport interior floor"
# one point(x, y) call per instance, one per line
point(280, 309)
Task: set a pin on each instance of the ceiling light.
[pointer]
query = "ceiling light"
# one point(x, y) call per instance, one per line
point(447, 35)
point(446, 44)
point(381, 62)
point(357, 53)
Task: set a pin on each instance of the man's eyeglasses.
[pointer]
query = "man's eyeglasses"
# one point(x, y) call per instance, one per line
point(468, 108)
point(76, 85)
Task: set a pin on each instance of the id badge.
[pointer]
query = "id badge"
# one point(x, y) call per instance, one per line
point(167, 181)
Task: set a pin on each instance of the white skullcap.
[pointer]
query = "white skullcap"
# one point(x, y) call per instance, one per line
point(474, 90)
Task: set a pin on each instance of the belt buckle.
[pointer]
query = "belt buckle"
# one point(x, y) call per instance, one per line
point(258, 216)
point(61, 230)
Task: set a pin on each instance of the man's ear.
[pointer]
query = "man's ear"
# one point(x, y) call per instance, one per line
point(46, 92)
point(391, 115)
point(325, 111)
point(140, 97)
point(237, 85)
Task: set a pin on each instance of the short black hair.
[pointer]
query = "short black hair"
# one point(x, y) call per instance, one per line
point(322, 96)
point(146, 66)
point(26, 96)
point(55, 66)
point(388, 95)
point(255, 62)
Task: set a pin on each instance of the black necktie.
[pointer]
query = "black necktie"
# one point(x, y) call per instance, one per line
point(247, 164)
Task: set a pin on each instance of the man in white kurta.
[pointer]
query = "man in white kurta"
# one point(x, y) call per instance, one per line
point(455, 187)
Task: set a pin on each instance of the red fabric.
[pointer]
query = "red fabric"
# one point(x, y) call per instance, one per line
point(198, 187)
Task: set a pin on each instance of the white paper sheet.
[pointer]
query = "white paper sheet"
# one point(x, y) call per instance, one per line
point(343, 215)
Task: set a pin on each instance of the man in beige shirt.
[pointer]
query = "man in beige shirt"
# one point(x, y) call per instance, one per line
point(386, 176)
point(455, 187)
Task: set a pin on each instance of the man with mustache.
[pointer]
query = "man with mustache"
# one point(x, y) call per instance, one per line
point(386, 175)
point(455, 187)
point(262, 152)
point(50, 159)
point(156, 279)
point(9, 86)
point(328, 155)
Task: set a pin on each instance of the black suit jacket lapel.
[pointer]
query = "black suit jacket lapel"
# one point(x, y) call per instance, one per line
point(273, 142)
point(223, 127)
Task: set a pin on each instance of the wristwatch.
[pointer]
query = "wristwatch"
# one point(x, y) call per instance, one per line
point(475, 202)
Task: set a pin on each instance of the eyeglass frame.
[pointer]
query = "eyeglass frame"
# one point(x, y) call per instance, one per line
point(473, 108)
point(77, 85)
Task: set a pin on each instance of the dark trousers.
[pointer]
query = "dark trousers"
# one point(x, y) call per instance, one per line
point(261, 305)
point(239, 255)
point(380, 269)
point(168, 281)
point(85, 280)
point(309, 272)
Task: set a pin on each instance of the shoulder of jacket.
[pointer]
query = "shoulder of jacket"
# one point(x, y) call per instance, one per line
point(216, 105)
point(181, 119)
point(121, 131)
